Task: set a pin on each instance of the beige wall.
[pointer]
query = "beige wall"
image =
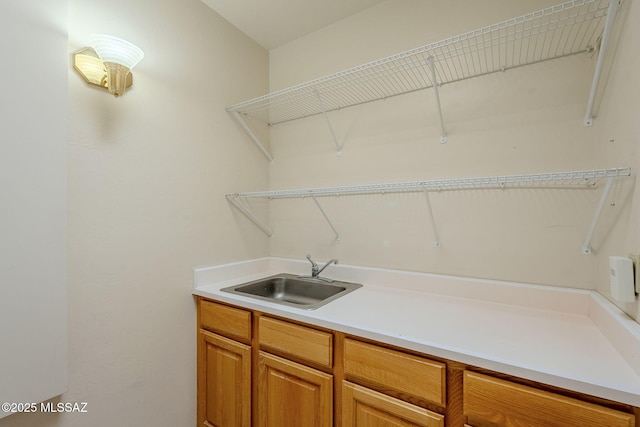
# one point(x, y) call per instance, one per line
point(147, 178)
point(33, 201)
point(526, 120)
point(618, 142)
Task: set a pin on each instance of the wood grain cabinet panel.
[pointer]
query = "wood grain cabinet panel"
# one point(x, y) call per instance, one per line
point(387, 369)
point(362, 407)
point(228, 321)
point(293, 395)
point(296, 340)
point(224, 382)
point(493, 402)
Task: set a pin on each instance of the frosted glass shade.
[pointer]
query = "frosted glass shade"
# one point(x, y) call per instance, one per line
point(118, 51)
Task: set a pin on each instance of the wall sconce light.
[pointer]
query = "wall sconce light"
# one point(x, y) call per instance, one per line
point(108, 63)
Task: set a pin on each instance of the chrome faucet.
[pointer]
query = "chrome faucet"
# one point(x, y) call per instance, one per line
point(315, 270)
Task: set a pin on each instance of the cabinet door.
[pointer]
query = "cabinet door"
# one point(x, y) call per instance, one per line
point(367, 408)
point(293, 395)
point(224, 382)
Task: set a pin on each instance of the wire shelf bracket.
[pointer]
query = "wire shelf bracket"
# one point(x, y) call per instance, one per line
point(326, 118)
point(436, 239)
point(586, 246)
point(569, 28)
point(326, 218)
point(432, 67)
point(573, 179)
point(237, 202)
point(612, 11)
point(252, 136)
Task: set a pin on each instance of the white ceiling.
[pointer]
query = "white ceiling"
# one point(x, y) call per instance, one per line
point(273, 23)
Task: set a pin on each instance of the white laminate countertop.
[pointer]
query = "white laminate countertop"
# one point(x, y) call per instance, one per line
point(573, 339)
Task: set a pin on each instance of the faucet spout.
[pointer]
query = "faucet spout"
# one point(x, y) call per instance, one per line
point(315, 270)
point(333, 261)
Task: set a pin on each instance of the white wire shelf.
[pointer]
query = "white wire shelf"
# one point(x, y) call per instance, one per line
point(574, 179)
point(585, 178)
point(569, 28)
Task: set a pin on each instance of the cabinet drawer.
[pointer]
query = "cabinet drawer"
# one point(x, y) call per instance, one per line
point(490, 401)
point(229, 321)
point(383, 368)
point(296, 340)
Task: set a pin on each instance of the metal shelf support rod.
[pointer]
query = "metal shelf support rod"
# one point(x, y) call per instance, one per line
point(606, 37)
point(326, 218)
point(436, 239)
point(431, 64)
point(326, 117)
point(586, 246)
point(247, 212)
point(251, 134)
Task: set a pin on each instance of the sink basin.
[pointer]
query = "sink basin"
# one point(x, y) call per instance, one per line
point(294, 291)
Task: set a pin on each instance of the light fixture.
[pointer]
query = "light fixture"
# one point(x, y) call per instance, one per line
point(108, 63)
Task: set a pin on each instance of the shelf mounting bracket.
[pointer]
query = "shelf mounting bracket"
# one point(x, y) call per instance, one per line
point(436, 239)
point(326, 117)
point(586, 246)
point(432, 67)
point(612, 11)
point(236, 201)
point(245, 127)
point(326, 218)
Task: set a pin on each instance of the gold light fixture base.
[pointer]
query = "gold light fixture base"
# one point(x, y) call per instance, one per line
point(87, 63)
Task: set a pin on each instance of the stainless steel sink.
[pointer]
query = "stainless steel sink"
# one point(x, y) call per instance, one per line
point(294, 291)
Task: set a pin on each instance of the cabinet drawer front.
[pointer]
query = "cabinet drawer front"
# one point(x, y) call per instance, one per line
point(363, 407)
point(390, 369)
point(490, 401)
point(296, 340)
point(225, 320)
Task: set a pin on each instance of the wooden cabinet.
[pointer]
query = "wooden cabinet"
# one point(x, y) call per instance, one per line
point(490, 401)
point(362, 407)
point(240, 371)
point(393, 387)
point(224, 366)
point(224, 382)
point(293, 395)
point(256, 370)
